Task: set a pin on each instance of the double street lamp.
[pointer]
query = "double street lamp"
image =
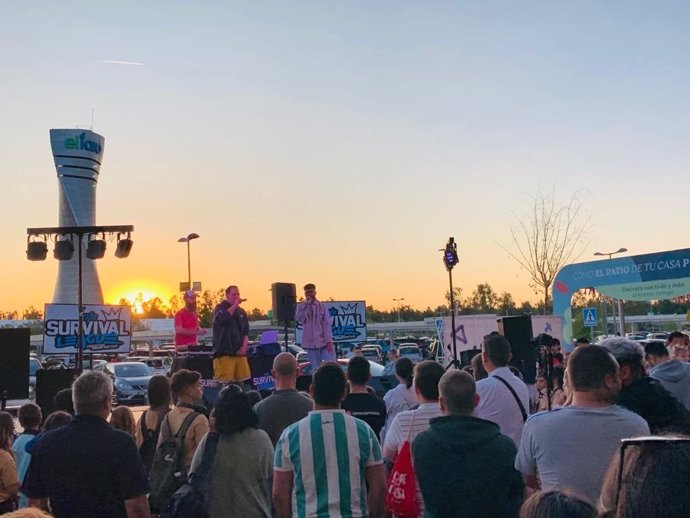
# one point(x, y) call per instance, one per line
point(187, 240)
point(399, 306)
point(613, 309)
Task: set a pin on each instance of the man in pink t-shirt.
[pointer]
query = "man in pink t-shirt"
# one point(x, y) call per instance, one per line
point(187, 322)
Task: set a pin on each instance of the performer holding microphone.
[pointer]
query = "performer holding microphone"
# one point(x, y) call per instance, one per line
point(230, 338)
point(317, 337)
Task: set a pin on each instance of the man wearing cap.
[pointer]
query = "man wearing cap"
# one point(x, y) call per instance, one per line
point(317, 338)
point(187, 322)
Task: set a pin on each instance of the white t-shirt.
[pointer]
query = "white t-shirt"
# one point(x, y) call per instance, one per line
point(572, 447)
point(397, 400)
point(498, 405)
point(410, 424)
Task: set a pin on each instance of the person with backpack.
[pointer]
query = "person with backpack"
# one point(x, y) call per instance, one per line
point(181, 432)
point(239, 476)
point(148, 427)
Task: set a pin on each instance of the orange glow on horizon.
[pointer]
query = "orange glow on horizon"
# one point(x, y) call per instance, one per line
point(138, 291)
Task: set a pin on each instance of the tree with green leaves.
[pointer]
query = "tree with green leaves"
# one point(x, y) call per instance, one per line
point(483, 299)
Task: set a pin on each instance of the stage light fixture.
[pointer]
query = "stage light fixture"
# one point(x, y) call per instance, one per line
point(64, 249)
point(36, 250)
point(95, 249)
point(124, 246)
point(450, 254)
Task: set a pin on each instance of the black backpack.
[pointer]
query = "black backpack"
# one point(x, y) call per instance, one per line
point(190, 501)
point(167, 474)
point(147, 450)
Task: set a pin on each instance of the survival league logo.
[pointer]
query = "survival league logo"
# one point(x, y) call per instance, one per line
point(104, 329)
point(348, 321)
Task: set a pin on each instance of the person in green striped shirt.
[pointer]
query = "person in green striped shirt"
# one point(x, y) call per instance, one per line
point(329, 464)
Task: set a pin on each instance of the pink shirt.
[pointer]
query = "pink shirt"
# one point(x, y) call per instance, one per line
point(316, 324)
point(187, 320)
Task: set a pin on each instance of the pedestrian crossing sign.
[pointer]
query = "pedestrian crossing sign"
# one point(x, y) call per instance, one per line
point(589, 317)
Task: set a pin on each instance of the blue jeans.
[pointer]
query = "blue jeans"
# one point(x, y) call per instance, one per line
point(319, 356)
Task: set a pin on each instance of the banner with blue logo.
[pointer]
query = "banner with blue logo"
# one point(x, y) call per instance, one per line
point(105, 329)
point(348, 321)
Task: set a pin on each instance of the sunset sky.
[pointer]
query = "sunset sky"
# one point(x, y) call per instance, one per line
point(342, 143)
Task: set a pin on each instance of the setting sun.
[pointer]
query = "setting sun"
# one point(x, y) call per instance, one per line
point(138, 292)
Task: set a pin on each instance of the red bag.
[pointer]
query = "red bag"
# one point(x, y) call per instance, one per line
point(401, 497)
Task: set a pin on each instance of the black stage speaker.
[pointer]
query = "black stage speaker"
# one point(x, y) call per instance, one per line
point(466, 356)
point(303, 383)
point(284, 301)
point(48, 383)
point(14, 363)
point(518, 331)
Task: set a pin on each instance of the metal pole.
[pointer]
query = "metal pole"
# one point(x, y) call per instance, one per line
point(452, 319)
point(606, 320)
point(621, 316)
point(189, 265)
point(80, 309)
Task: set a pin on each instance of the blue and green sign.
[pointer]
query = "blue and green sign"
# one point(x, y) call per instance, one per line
point(662, 275)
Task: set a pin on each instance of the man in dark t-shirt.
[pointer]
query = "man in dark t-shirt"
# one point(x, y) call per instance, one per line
point(285, 406)
point(87, 467)
point(361, 403)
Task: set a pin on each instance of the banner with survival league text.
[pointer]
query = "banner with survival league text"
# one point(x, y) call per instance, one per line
point(106, 329)
point(348, 322)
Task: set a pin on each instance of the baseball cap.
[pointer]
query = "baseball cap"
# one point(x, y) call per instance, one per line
point(189, 294)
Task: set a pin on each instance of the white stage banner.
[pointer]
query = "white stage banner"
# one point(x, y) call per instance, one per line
point(106, 329)
point(348, 322)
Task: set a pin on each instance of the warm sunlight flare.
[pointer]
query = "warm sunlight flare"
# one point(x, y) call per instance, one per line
point(138, 292)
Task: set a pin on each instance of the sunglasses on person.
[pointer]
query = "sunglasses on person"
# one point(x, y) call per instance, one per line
point(640, 441)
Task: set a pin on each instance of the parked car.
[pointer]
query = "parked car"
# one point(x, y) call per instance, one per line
point(412, 352)
point(373, 353)
point(305, 369)
point(98, 365)
point(380, 384)
point(131, 381)
point(159, 365)
point(657, 336)
point(293, 349)
point(302, 357)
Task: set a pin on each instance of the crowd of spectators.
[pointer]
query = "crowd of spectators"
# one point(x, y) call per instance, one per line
point(581, 447)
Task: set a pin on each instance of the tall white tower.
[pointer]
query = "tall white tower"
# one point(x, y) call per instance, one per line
point(77, 154)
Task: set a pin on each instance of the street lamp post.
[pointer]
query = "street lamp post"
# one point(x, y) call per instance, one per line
point(399, 306)
point(620, 306)
point(189, 256)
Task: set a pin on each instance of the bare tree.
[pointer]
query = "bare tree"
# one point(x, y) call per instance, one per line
point(548, 237)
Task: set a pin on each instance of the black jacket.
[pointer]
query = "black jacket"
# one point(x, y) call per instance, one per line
point(228, 330)
point(465, 469)
point(651, 401)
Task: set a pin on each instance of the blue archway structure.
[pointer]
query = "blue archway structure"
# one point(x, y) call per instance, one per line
point(657, 276)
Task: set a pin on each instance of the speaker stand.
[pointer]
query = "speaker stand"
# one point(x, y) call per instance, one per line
point(286, 335)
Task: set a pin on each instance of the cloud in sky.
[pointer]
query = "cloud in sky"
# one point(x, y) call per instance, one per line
point(115, 62)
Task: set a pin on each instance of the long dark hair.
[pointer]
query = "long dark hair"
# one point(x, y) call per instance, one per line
point(405, 369)
point(6, 432)
point(233, 412)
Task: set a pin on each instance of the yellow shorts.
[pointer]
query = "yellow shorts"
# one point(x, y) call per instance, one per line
point(231, 368)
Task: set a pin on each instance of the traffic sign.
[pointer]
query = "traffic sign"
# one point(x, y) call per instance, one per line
point(589, 317)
